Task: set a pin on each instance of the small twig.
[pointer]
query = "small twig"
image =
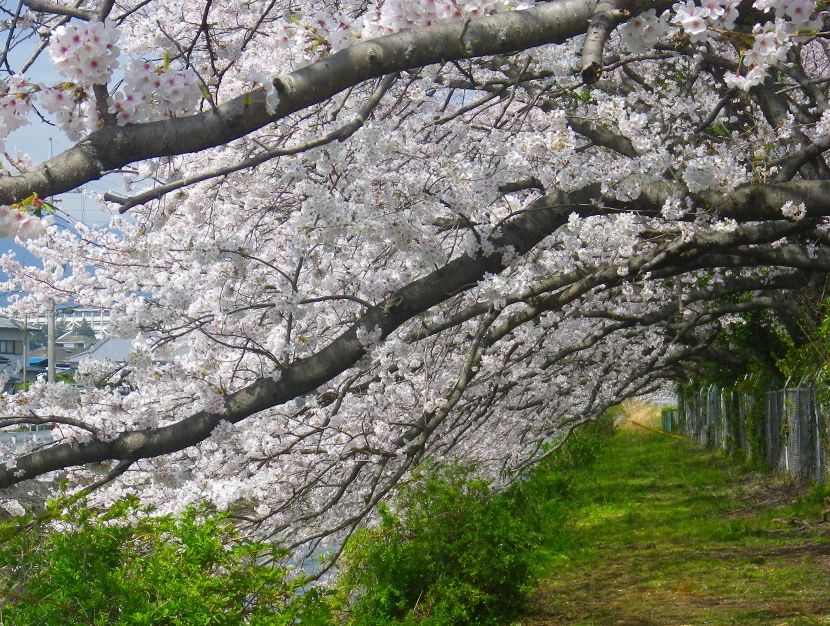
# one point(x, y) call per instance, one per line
point(716, 111)
point(464, 32)
point(114, 473)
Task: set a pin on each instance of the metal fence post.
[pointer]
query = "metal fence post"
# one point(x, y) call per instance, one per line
point(791, 433)
point(819, 436)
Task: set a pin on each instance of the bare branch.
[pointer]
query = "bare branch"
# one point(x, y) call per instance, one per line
point(44, 6)
point(790, 166)
point(302, 377)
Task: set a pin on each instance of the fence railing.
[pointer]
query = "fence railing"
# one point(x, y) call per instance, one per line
point(23, 440)
point(784, 428)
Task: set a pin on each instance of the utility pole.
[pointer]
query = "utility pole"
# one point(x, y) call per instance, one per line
point(50, 345)
point(25, 347)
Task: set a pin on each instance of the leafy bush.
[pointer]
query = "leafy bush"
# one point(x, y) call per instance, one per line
point(124, 566)
point(449, 551)
point(452, 551)
point(582, 447)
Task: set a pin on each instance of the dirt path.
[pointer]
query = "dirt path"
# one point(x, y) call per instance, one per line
point(665, 534)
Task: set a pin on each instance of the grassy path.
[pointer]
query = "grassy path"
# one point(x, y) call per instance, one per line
point(665, 534)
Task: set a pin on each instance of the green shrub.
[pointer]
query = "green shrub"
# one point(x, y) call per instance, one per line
point(125, 566)
point(449, 551)
point(452, 552)
point(582, 446)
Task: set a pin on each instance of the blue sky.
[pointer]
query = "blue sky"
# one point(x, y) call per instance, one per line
point(40, 141)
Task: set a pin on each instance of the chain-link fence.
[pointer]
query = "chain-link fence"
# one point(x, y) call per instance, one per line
point(786, 428)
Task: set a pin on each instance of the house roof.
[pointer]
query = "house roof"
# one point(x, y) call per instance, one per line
point(70, 338)
point(61, 355)
point(116, 349)
point(7, 323)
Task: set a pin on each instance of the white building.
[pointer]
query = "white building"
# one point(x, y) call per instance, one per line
point(73, 343)
point(98, 319)
point(115, 349)
point(11, 352)
point(11, 343)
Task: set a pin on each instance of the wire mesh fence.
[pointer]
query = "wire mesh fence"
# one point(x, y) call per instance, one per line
point(785, 428)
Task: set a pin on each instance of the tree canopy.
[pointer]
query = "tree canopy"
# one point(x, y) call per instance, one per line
point(355, 235)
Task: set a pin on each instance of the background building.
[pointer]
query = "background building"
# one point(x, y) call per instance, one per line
point(73, 316)
point(73, 343)
point(11, 351)
point(11, 342)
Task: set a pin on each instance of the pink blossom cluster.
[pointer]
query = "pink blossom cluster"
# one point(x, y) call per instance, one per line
point(17, 223)
point(323, 33)
point(86, 53)
point(773, 39)
point(793, 211)
point(799, 12)
point(643, 31)
point(331, 31)
point(149, 92)
point(15, 103)
point(71, 107)
point(771, 44)
point(703, 20)
point(61, 103)
point(697, 20)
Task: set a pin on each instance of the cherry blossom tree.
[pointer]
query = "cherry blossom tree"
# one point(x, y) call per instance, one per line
point(359, 234)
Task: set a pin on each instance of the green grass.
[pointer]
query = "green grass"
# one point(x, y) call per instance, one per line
point(661, 532)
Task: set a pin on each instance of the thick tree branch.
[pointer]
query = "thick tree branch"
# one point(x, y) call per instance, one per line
point(304, 376)
point(602, 136)
point(606, 16)
point(114, 147)
point(44, 6)
point(791, 165)
point(340, 134)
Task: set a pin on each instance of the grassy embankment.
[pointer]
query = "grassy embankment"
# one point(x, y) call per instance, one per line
point(663, 533)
